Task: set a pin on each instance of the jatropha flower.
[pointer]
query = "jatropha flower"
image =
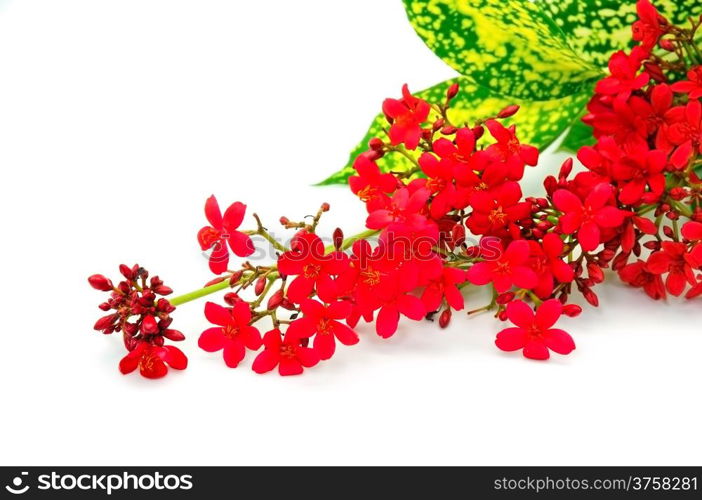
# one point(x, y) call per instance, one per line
point(533, 333)
point(222, 231)
point(510, 268)
point(324, 322)
point(288, 354)
point(407, 116)
point(153, 361)
point(233, 333)
point(144, 319)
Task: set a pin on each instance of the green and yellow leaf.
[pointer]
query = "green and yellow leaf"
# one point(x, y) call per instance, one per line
point(596, 28)
point(578, 136)
point(538, 122)
point(512, 47)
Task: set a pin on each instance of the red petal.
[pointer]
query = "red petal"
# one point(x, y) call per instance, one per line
point(520, 314)
point(217, 314)
point(234, 351)
point(559, 341)
point(387, 320)
point(265, 361)
point(411, 306)
point(211, 340)
point(290, 367)
point(175, 358)
point(344, 333)
point(535, 350)
point(324, 345)
point(510, 339)
point(589, 236)
point(233, 216)
point(692, 231)
point(566, 201)
point(213, 213)
point(548, 313)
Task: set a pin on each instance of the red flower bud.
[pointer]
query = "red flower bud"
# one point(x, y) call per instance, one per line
point(591, 297)
point(452, 91)
point(508, 111)
point(566, 168)
point(275, 300)
point(595, 273)
point(448, 130)
point(284, 221)
point(620, 261)
point(504, 298)
point(338, 238)
point(105, 322)
point(235, 277)
point(218, 279)
point(667, 44)
point(458, 234)
point(572, 310)
point(375, 144)
point(445, 318)
point(231, 298)
point(478, 132)
point(163, 290)
point(173, 335)
point(99, 282)
point(149, 325)
point(260, 285)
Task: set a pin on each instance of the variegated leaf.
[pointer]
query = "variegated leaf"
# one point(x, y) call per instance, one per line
point(538, 122)
point(596, 28)
point(512, 47)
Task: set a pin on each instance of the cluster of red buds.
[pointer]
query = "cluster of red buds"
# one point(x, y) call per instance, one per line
point(144, 319)
point(456, 218)
point(647, 118)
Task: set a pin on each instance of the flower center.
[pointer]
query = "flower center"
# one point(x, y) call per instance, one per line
point(367, 193)
point(371, 277)
point(287, 351)
point(435, 184)
point(210, 236)
point(502, 268)
point(497, 216)
point(324, 326)
point(230, 331)
point(146, 362)
point(312, 270)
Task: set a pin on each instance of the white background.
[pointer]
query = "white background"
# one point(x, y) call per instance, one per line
point(117, 120)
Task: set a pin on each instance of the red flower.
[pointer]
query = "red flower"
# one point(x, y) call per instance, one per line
point(692, 231)
point(314, 269)
point(233, 334)
point(510, 151)
point(153, 360)
point(510, 268)
point(323, 321)
point(685, 132)
point(693, 85)
point(534, 333)
point(444, 287)
point(624, 78)
point(637, 275)
point(652, 114)
point(407, 116)
point(224, 229)
point(547, 262)
point(590, 217)
point(496, 212)
point(641, 168)
point(647, 29)
point(370, 184)
point(394, 299)
point(439, 182)
point(286, 353)
point(674, 260)
point(401, 212)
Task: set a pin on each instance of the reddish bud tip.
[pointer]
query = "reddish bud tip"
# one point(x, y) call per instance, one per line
point(375, 143)
point(149, 326)
point(338, 238)
point(452, 91)
point(445, 318)
point(99, 282)
point(508, 111)
point(325, 207)
point(260, 285)
point(572, 310)
point(505, 298)
point(275, 300)
point(566, 168)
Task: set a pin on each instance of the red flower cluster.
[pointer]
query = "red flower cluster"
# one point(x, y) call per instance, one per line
point(460, 181)
point(647, 119)
point(144, 319)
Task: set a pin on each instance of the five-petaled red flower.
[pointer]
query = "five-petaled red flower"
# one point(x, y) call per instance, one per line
point(509, 268)
point(221, 231)
point(323, 321)
point(509, 150)
point(287, 354)
point(407, 116)
point(589, 217)
point(533, 333)
point(152, 360)
point(233, 334)
point(692, 86)
point(314, 270)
